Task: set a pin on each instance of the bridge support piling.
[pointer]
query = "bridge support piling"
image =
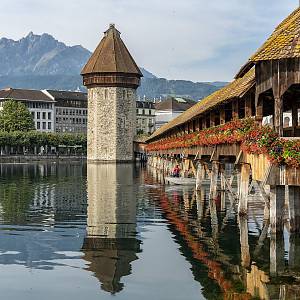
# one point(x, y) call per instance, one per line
point(223, 177)
point(200, 201)
point(200, 176)
point(277, 200)
point(244, 189)
point(245, 253)
point(276, 253)
point(294, 252)
point(294, 208)
point(214, 180)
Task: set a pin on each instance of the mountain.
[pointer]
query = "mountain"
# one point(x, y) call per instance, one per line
point(42, 62)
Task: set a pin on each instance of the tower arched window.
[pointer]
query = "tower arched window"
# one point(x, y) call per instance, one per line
point(124, 94)
point(105, 94)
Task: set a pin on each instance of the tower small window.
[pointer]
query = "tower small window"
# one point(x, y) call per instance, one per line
point(124, 94)
point(105, 94)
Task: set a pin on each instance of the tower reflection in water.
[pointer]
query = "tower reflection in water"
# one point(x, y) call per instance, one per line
point(111, 245)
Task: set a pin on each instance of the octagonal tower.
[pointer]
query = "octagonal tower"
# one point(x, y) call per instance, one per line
point(111, 77)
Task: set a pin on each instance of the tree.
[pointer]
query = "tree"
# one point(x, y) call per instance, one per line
point(15, 116)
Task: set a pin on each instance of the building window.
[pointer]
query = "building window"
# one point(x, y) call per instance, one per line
point(38, 115)
point(38, 125)
point(49, 125)
point(124, 94)
point(33, 114)
point(44, 125)
point(49, 115)
point(105, 94)
point(44, 115)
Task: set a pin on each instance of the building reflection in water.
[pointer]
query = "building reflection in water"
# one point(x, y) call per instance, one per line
point(111, 245)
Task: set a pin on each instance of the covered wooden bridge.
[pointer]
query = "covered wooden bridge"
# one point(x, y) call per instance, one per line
point(253, 122)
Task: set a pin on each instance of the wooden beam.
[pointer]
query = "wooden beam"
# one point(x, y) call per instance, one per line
point(244, 187)
point(235, 109)
point(278, 115)
point(294, 117)
point(222, 115)
point(248, 107)
point(212, 116)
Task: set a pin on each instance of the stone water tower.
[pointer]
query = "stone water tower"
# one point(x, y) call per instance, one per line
point(111, 77)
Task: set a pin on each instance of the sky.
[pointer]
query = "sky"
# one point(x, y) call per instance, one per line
point(198, 40)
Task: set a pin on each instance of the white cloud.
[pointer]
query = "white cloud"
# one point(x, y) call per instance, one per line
point(191, 39)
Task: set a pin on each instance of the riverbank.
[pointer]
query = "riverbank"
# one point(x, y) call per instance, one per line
point(34, 158)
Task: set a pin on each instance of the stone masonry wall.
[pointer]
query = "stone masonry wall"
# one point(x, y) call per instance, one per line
point(111, 123)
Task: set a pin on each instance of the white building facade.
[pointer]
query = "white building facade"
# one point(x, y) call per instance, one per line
point(70, 111)
point(145, 117)
point(40, 106)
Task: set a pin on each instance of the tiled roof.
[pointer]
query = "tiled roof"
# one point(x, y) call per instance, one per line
point(66, 95)
point(175, 104)
point(284, 42)
point(111, 56)
point(237, 88)
point(25, 95)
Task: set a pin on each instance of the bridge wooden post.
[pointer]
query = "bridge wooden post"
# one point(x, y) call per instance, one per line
point(212, 117)
point(245, 253)
point(200, 200)
point(222, 115)
point(200, 176)
point(248, 107)
point(276, 253)
point(214, 180)
point(277, 199)
point(294, 208)
point(294, 252)
point(278, 115)
point(223, 186)
point(222, 173)
point(235, 109)
point(244, 189)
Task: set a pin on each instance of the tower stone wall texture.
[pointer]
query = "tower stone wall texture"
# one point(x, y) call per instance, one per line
point(111, 123)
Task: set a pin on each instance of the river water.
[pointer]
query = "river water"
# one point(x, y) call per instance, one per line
point(77, 231)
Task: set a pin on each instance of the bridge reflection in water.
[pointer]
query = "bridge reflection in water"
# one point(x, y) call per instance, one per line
point(230, 257)
point(111, 245)
point(240, 262)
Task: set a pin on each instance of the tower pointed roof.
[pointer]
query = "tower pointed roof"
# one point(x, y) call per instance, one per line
point(111, 56)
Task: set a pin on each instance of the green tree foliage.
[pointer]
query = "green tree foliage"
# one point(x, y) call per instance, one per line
point(37, 138)
point(15, 116)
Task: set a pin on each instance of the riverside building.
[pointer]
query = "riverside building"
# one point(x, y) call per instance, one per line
point(170, 108)
point(145, 117)
point(70, 111)
point(40, 105)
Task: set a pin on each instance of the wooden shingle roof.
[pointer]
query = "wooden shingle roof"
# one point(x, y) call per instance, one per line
point(111, 56)
point(284, 42)
point(235, 89)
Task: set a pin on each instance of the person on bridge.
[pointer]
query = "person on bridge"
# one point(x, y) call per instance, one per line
point(176, 171)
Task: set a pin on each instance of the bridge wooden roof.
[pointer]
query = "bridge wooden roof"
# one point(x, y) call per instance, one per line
point(111, 56)
point(235, 89)
point(283, 43)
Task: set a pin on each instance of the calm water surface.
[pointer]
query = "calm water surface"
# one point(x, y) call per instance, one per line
point(77, 231)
